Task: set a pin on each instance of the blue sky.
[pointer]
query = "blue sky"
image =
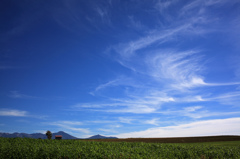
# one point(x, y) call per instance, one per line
point(149, 68)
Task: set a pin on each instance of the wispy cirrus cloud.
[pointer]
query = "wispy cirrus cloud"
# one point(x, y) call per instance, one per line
point(119, 81)
point(167, 70)
point(162, 6)
point(138, 104)
point(197, 112)
point(126, 120)
point(13, 113)
point(154, 121)
point(191, 26)
point(201, 6)
point(128, 50)
point(181, 69)
point(230, 98)
point(19, 113)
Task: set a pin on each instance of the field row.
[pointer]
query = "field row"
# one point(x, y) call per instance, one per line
point(68, 149)
point(175, 139)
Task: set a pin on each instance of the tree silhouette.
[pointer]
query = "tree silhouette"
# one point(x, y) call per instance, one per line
point(49, 134)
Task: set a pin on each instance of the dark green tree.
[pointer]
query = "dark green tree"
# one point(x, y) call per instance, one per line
point(49, 134)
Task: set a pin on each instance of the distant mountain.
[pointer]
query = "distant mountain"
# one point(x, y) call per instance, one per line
point(64, 135)
point(101, 137)
point(37, 135)
point(43, 136)
point(15, 135)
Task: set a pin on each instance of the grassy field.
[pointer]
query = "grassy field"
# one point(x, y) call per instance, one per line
point(175, 139)
point(219, 143)
point(85, 149)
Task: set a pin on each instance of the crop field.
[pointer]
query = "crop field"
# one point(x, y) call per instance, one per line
point(17, 148)
point(175, 139)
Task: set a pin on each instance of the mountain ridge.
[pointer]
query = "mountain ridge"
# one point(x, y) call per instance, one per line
point(101, 137)
point(36, 135)
point(43, 136)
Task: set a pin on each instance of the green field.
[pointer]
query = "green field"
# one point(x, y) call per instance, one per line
point(220, 143)
point(11, 148)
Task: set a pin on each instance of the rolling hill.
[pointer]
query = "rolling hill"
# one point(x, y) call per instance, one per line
point(37, 135)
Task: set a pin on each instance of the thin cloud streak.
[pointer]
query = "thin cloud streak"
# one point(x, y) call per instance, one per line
point(119, 81)
point(140, 104)
point(222, 84)
point(196, 112)
point(229, 126)
point(125, 120)
point(224, 96)
point(127, 50)
point(154, 121)
point(13, 113)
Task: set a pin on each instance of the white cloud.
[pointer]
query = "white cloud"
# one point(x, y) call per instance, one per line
point(119, 81)
point(154, 121)
point(199, 7)
point(226, 95)
point(139, 104)
point(230, 98)
point(179, 68)
point(192, 109)
point(13, 112)
point(108, 84)
point(101, 121)
point(174, 76)
point(193, 98)
point(222, 84)
point(125, 120)
point(190, 6)
point(71, 122)
point(129, 49)
point(137, 109)
point(228, 126)
point(196, 112)
point(219, 2)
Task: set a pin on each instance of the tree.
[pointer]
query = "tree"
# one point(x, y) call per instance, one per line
point(49, 134)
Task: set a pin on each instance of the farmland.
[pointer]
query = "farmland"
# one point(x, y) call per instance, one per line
point(67, 149)
point(174, 139)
